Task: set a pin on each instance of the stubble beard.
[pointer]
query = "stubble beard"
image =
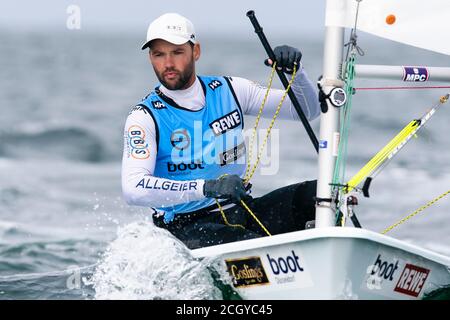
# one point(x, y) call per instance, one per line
point(183, 77)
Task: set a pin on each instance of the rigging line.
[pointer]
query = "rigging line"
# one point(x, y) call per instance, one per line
point(225, 220)
point(348, 75)
point(429, 204)
point(269, 129)
point(256, 219)
point(352, 43)
point(357, 14)
point(340, 168)
point(261, 108)
point(402, 88)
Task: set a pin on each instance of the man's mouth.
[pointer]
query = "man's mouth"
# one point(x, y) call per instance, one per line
point(170, 75)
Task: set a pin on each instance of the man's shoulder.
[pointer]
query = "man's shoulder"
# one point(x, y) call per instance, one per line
point(240, 83)
point(236, 80)
point(215, 81)
point(151, 96)
point(208, 78)
point(139, 108)
point(148, 103)
point(140, 115)
point(227, 77)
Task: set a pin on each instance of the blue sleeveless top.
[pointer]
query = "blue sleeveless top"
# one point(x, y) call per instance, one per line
point(202, 144)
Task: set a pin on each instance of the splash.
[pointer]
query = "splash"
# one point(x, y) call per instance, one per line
point(146, 262)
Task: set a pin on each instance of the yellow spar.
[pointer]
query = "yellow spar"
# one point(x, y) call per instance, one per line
point(391, 148)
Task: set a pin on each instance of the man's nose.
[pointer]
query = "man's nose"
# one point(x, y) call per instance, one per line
point(168, 61)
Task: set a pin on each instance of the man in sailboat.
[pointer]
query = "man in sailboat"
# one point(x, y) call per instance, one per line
point(184, 152)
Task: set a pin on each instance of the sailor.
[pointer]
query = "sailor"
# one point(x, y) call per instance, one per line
point(184, 151)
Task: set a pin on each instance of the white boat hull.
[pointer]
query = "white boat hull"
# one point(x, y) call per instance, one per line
point(330, 263)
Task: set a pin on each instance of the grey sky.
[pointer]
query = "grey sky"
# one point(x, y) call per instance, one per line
point(302, 17)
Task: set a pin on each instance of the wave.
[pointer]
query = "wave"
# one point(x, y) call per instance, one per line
point(33, 259)
point(75, 144)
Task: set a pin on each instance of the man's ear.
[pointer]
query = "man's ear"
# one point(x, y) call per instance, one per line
point(197, 51)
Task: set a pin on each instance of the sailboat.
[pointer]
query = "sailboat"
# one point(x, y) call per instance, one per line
point(334, 260)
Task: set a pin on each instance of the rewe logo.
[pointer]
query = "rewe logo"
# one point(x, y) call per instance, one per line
point(412, 280)
point(227, 122)
point(285, 265)
point(383, 269)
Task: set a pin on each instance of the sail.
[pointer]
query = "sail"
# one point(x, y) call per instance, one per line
point(420, 23)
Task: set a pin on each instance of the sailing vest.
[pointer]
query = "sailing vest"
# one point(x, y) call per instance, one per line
point(201, 144)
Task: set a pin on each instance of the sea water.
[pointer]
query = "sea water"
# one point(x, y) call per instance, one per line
point(65, 231)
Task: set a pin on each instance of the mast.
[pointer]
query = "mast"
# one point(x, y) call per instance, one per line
point(329, 123)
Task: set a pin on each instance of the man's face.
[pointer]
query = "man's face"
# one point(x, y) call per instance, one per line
point(174, 65)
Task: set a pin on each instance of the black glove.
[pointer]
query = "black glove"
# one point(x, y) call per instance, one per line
point(228, 187)
point(286, 57)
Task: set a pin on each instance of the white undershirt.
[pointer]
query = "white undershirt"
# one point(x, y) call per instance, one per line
point(248, 93)
point(192, 98)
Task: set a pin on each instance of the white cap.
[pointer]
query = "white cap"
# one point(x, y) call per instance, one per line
point(171, 27)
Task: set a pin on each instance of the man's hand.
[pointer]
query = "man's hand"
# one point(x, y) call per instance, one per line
point(286, 57)
point(228, 187)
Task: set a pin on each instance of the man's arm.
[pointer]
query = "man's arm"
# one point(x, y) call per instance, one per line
point(251, 95)
point(139, 186)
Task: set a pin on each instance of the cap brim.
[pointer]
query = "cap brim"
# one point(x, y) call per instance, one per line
point(171, 38)
point(146, 45)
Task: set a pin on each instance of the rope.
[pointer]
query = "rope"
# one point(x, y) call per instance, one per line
point(429, 204)
point(224, 217)
point(339, 170)
point(256, 218)
point(258, 117)
point(352, 44)
point(250, 172)
point(349, 76)
point(269, 129)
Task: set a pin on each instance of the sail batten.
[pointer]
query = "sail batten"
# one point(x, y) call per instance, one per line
point(419, 23)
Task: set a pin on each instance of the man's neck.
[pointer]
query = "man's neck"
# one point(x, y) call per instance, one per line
point(191, 98)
